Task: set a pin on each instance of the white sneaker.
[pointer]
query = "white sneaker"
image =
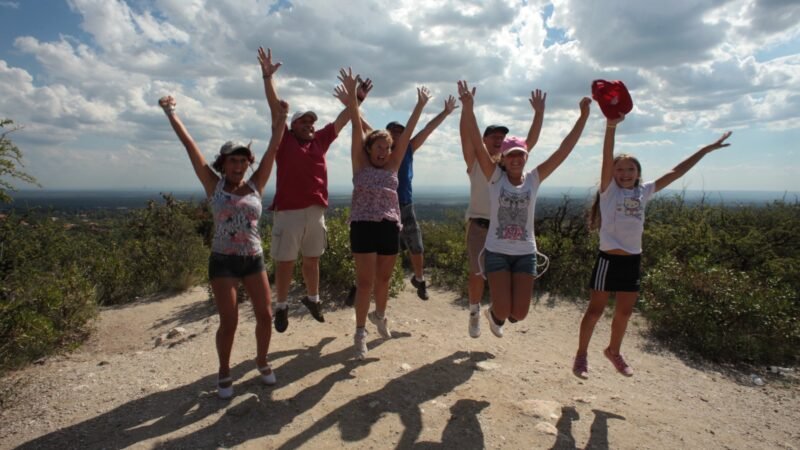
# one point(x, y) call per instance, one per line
point(360, 341)
point(225, 388)
point(474, 324)
point(382, 324)
point(267, 375)
point(497, 330)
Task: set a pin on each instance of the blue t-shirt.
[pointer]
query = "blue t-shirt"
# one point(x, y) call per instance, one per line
point(404, 176)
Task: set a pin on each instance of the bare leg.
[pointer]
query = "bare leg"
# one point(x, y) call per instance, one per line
point(225, 297)
point(622, 312)
point(475, 288)
point(284, 270)
point(597, 304)
point(311, 274)
point(257, 286)
point(417, 263)
point(500, 294)
point(521, 291)
point(383, 276)
point(365, 280)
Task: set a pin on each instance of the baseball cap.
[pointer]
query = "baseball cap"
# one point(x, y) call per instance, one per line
point(395, 124)
point(233, 146)
point(513, 144)
point(302, 113)
point(613, 97)
point(492, 128)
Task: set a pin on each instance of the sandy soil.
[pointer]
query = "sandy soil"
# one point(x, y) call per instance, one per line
point(431, 386)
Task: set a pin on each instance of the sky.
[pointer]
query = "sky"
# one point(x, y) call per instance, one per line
point(83, 78)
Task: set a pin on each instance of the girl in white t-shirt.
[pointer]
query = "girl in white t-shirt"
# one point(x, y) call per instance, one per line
point(510, 248)
point(620, 206)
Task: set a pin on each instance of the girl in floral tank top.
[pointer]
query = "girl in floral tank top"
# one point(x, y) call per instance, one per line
point(236, 254)
point(375, 211)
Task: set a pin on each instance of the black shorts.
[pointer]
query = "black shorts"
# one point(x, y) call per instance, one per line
point(234, 266)
point(616, 273)
point(374, 237)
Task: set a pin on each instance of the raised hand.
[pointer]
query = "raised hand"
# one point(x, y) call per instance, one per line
point(613, 122)
point(720, 143)
point(450, 104)
point(537, 100)
point(466, 96)
point(167, 103)
point(265, 60)
point(349, 81)
point(341, 93)
point(423, 95)
point(364, 86)
point(584, 105)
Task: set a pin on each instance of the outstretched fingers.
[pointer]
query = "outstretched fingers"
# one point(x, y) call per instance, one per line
point(265, 60)
point(450, 104)
point(537, 100)
point(720, 143)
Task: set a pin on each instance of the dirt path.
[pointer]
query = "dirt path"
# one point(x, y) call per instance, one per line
point(430, 387)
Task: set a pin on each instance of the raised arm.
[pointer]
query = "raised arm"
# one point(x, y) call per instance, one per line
point(607, 169)
point(550, 164)
point(470, 134)
point(537, 103)
point(268, 69)
point(679, 170)
point(205, 173)
point(400, 147)
point(262, 173)
point(419, 139)
point(358, 156)
point(364, 86)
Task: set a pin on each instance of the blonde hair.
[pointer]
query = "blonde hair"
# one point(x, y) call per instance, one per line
point(594, 213)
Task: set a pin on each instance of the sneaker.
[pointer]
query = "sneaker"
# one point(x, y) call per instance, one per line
point(474, 324)
point(267, 375)
point(351, 296)
point(382, 324)
point(281, 319)
point(497, 330)
point(580, 368)
point(422, 289)
point(360, 341)
point(619, 363)
point(315, 308)
point(225, 388)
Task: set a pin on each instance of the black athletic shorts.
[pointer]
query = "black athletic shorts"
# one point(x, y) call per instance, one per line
point(616, 273)
point(234, 266)
point(375, 237)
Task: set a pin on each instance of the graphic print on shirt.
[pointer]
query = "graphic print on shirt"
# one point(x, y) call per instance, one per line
point(632, 205)
point(512, 215)
point(235, 220)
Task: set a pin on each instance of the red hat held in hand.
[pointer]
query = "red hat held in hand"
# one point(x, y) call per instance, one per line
point(613, 97)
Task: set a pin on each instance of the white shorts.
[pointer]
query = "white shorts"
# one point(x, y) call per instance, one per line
point(298, 231)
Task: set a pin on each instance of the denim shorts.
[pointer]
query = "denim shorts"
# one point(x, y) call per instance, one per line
point(500, 262)
point(234, 266)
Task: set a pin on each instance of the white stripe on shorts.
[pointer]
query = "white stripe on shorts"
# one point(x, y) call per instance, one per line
point(602, 271)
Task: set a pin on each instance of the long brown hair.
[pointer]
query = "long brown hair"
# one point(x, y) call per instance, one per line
point(594, 212)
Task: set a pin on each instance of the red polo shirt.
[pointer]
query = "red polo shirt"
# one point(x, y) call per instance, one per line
point(302, 176)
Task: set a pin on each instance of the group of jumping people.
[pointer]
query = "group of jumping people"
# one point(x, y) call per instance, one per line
point(500, 240)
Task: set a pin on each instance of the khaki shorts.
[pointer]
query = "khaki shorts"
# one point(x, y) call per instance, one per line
point(298, 231)
point(476, 239)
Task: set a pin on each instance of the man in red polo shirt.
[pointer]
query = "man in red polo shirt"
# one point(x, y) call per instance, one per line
point(301, 197)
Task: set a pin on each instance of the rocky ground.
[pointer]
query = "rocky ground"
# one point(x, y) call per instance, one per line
point(431, 386)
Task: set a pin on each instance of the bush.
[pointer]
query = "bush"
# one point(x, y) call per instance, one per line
point(722, 314)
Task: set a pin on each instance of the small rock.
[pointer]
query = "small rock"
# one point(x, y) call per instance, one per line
point(756, 380)
point(177, 331)
point(587, 399)
point(547, 428)
point(374, 403)
point(103, 363)
point(486, 365)
point(405, 366)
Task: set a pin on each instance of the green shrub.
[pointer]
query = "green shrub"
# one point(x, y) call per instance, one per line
point(446, 260)
point(722, 314)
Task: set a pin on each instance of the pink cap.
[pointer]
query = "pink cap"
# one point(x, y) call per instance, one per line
point(514, 144)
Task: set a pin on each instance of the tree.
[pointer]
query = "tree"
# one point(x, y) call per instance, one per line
point(10, 161)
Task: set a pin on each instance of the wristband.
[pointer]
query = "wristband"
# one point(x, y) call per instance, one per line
point(611, 126)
